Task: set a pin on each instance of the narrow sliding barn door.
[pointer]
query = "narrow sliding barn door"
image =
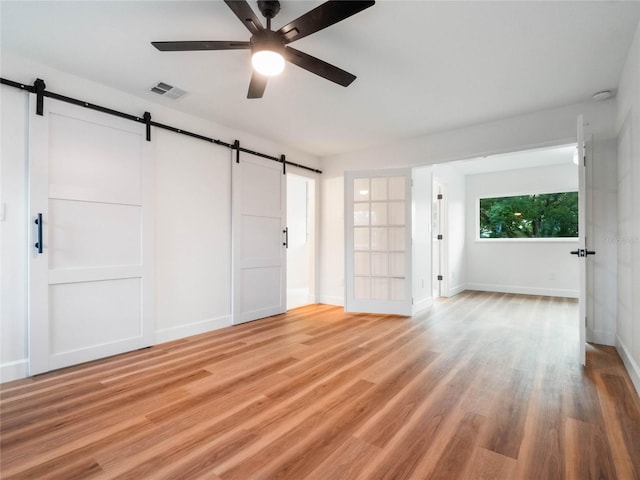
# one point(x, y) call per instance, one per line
point(90, 206)
point(259, 239)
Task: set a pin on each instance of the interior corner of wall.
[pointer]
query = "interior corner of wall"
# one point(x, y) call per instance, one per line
point(423, 304)
point(458, 289)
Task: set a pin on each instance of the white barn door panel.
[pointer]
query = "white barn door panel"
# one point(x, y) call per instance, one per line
point(259, 239)
point(90, 290)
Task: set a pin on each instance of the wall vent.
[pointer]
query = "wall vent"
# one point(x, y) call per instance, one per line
point(168, 90)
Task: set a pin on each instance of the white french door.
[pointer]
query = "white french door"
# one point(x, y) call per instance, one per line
point(90, 277)
point(378, 242)
point(259, 239)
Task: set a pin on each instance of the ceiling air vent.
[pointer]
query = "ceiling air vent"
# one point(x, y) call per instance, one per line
point(168, 90)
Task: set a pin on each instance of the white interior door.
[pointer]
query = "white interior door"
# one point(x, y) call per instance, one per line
point(259, 239)
point(582, 251)
point(90, 287)
point(378, 242)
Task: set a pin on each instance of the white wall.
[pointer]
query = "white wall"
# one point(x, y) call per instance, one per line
point(454, 231)
point(545, 128)
point(421, 224)
point(628, 238)
point(542, 267)
point(13, 234)
point(192, 235)
point(602, 230)
point(192, 210)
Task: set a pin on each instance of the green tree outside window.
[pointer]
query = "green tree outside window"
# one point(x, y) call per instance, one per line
point(547, 215)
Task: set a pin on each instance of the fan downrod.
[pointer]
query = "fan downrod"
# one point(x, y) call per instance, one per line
point(269, 8)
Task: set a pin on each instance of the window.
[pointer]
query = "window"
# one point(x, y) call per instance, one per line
point(546, 215)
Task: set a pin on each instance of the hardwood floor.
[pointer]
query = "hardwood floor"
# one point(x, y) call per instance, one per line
point(481, 386)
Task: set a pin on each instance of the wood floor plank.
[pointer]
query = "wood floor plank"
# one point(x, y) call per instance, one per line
point(621, 422)
point(48, 461)
point(347, 462)
point(431, 394)
point(542, 450)
point(282, 446)
point(459, 450)
point(487, 465)
point(479, 386)
point(582, 440)
point(506, 422)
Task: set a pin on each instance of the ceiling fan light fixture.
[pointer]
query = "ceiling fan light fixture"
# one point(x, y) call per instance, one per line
point(267, 51)
point(267, 62)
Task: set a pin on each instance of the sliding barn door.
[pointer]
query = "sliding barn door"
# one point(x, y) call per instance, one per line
point(90, 205)
point(259, 239)
point(378, 242)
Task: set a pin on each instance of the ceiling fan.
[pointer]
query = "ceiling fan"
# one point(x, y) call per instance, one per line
point(270, 49)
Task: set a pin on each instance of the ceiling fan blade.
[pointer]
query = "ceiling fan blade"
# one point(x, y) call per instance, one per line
point(246, 15)
point(319, 67)
point(321, 17)
point(199, 45)
point(257, 85)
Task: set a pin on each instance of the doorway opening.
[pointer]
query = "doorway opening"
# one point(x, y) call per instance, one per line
point(301, 220)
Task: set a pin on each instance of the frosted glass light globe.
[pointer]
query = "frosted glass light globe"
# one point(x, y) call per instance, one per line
point(267, 62)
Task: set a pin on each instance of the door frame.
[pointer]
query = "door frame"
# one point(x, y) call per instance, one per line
point(442, 264)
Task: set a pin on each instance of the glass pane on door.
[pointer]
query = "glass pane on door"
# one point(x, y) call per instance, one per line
point(379, 212)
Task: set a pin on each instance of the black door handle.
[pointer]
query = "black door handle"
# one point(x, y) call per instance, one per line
point(582, 252)
point(286, 237)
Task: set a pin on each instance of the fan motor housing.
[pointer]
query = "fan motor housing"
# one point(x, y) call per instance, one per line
point(267, 40)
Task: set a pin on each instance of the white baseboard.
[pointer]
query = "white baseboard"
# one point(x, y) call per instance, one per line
point(632, 367)
point(195, 328)
point(14, 370)
point(453, 291)
point(422, 304)
point(18, 369)
point(331, 300)
point(547, 292)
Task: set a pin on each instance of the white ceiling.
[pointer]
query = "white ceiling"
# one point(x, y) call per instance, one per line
point(422, 66)
point(541, 157)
